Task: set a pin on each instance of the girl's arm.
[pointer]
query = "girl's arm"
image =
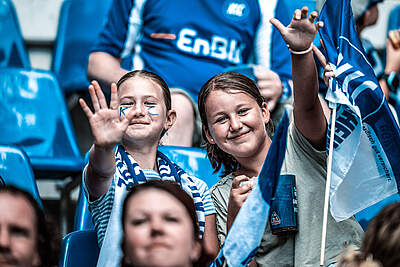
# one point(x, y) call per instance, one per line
point(308, 113)
point(210, 240)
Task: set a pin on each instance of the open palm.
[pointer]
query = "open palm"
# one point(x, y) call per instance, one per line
point(301, 31)
point(107, 126)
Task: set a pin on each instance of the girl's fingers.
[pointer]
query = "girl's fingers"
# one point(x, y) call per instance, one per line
point(304, 12)
point(313, 16)
point(329, 74)
point(85, 108)
point(297, 14)
point(320, 56)
point(114, 103)
point(100, 96)
point(93, 96)
point(323, 44)
point(319, 25)
point(278, 25)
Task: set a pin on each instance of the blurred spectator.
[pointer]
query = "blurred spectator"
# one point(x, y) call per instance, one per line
point(188, 42)
point(380, 245)
point(25, 239)
point(155, 234)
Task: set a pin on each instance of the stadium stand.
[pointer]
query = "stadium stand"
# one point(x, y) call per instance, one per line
point(12, 48)
point(79, 24)
point(34, 116)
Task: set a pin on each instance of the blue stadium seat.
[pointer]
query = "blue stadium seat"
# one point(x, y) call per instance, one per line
point(15, 169)
point(394, 19)
point(79, 23)
point(12, 48)
point(79, 249)
point(34, 116)
point(365, 216)
point(192, 159)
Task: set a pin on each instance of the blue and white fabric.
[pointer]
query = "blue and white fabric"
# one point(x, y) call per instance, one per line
point(366, 151)
point(245, 235)
point(188, 42)
point(132, 174)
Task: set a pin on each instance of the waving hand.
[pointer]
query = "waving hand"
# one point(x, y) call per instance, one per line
point(107, 126)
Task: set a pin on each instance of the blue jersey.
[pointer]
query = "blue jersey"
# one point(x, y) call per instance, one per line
point(188, 42)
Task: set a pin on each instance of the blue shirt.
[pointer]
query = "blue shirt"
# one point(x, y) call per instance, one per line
point(188, 42)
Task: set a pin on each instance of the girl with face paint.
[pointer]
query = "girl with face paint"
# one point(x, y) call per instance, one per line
point(126, 138)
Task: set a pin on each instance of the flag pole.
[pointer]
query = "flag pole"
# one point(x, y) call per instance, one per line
point(327, 186)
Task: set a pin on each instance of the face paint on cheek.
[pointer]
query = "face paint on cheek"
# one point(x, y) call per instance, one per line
point(122, 111)
point(151, 110)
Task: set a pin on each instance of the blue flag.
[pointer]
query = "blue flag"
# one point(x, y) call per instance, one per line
point(245, 235)
point(366, 153)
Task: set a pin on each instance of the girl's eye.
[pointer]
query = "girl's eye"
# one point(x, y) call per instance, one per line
point(171, 219)
point(243, 111)
point(221, 119)
point(127, 104)
point(138, 221)
point(150, 103)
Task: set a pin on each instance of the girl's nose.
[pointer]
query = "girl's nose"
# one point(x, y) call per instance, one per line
point(235, 123)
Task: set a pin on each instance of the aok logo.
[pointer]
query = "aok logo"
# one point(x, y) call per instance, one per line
point(218, 47)
point(235, 9)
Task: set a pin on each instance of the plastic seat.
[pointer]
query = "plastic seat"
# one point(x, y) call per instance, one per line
point(365, 216)
point(12, 48)
point(192, 159)
point(34, 116)
point(79, 249)
point(15, 169)
point(394, 19)
point(79, 24)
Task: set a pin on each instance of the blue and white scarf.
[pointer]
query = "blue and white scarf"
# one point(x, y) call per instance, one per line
point(132, 174)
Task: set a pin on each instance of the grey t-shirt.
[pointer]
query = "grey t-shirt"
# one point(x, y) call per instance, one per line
point(302, 249)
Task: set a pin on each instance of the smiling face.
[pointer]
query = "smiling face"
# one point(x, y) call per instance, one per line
point(236, 123)
point(151, 117)
point(18, 232)
point(158, 235)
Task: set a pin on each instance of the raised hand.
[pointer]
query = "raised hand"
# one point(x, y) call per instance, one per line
point(107, 126)
point(301, 31)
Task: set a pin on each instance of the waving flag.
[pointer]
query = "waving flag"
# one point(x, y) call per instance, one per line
point(245, 235)
point(366, 151)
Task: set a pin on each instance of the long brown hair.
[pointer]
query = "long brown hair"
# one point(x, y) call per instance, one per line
point(228, 81)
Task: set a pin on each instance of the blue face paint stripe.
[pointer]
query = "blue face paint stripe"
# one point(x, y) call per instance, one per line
point(150, 111)
point(122, 111)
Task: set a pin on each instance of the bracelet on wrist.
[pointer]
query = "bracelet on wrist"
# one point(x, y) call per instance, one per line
point(300, 52)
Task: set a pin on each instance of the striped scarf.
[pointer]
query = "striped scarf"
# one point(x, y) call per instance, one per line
point(132, 174)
